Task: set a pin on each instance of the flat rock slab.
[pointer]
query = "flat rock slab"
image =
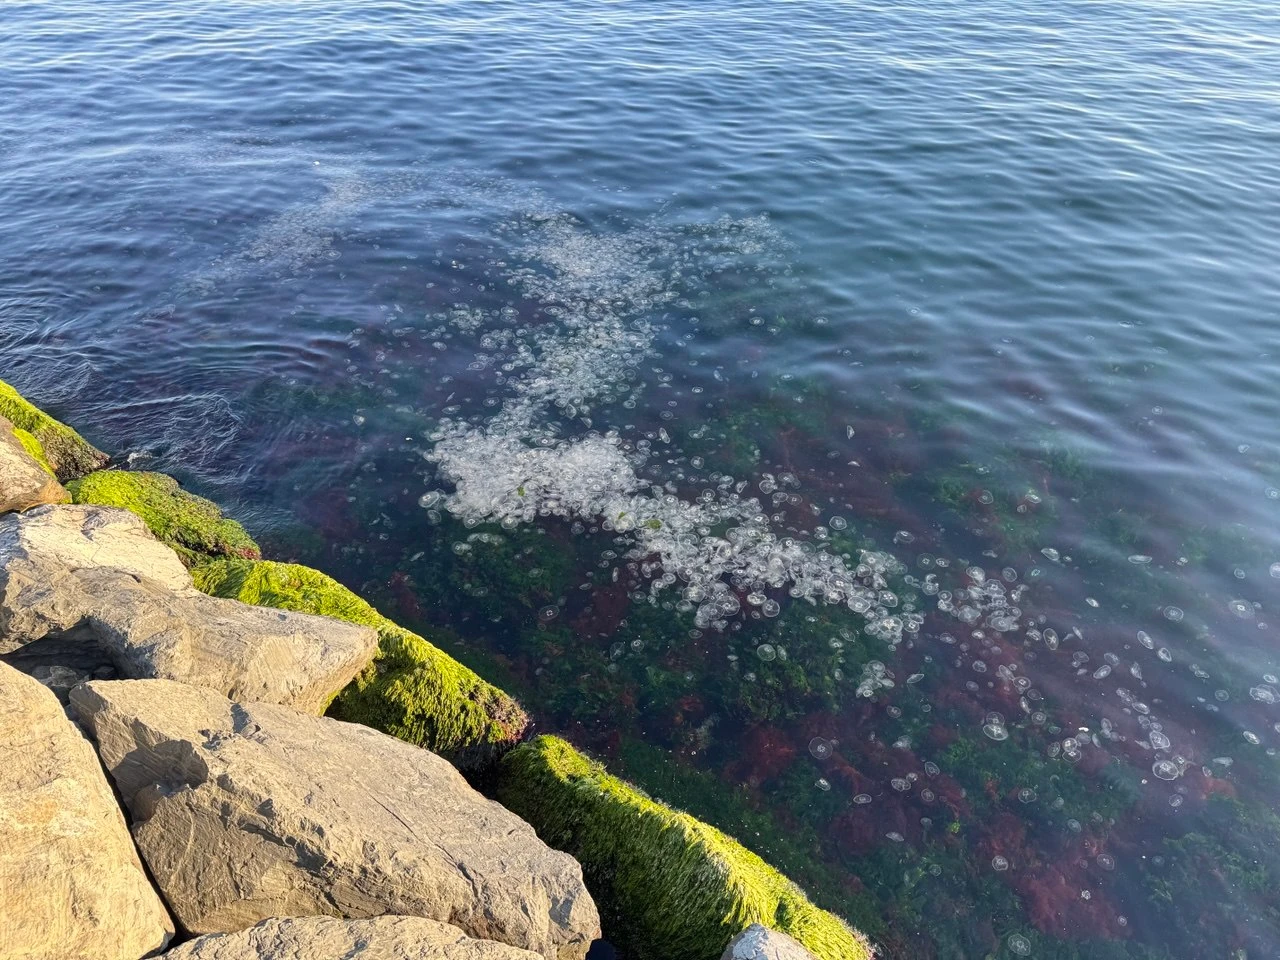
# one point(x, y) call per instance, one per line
point(84, 587)
point(248, 811)
point(328, 938)
point(73, 886)
point(760, 943)
point(23, 482)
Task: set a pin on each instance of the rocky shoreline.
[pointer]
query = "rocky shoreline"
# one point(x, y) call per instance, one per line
point(205, 754)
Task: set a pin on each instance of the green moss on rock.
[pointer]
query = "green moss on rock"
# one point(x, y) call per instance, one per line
point(412, 690)
point(193, 526)
point(65, 452)
point(33, 447)
point(670, 887)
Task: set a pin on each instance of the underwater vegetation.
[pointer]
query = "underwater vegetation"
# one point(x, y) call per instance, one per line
point(947, 687)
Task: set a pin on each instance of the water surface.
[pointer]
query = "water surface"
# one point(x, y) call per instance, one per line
point(625, 347)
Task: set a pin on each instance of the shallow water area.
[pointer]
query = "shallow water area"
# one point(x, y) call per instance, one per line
point(854, 422)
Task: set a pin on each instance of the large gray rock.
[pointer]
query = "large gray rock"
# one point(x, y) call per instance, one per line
point(249, 811)
point(328, 938)
point(23, 482)
point(71, 884)
point(85, 587)
point(760, 943)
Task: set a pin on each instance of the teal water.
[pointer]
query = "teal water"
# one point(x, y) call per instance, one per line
point(504, 312)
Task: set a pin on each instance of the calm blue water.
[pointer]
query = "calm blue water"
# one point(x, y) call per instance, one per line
point(984, 280)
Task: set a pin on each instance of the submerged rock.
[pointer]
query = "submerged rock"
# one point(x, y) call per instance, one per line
point(89, 587)
point(412, 690)
point(68, 453)
point(669, 884)
point(322, 938)
point(72, 884)
point(249, 811)
point(761, 943)
point(193, 526)
point(24, 481)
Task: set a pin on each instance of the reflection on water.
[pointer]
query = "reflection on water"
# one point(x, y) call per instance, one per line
point(853, 422)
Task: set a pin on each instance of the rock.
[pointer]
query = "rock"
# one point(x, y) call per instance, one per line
point(322, 938)
point(86, 587)
point(68, 453)
point(78, 538)
point(413, 690)
point(193, 526)
point(24, 483)
point(669, 885)
point(761, 943)
point(72, 884)
point(244, 812)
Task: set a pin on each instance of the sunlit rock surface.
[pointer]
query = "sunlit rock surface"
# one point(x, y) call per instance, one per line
point(248, 811)
point(320, 938)
point(24, 481)
point(760, 943)
point(71, 884)
point(89, 588)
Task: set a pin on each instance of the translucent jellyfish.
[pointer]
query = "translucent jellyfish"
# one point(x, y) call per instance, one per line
point(1050, 553)
point(1251, 737)
point(821, 748)
point(1175, 801)
point(1159, 741)
point(1019, 945)
point(1144, 638)
point(862, 798)
point(766, 652)
point(1264, 694)
point(996, 731)
point(1026, 795)
point(823, 784)
point(928, 796)
point(900, 784)
point(999, 864)
point(1139, 558)
point(1165, 770)
point(1274, 570)
point(1106, 861)
point(1173, 613)
point(931, 768)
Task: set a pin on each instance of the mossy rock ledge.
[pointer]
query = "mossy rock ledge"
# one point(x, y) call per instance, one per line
point(192, 526)
point(412, 690)
point(669, 887)
point(56, 446)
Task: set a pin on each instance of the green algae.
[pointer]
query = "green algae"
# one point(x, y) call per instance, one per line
point(192, 526)
point(670, 887)
point(67, 454)
point(412, 690)
point(35, 449)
